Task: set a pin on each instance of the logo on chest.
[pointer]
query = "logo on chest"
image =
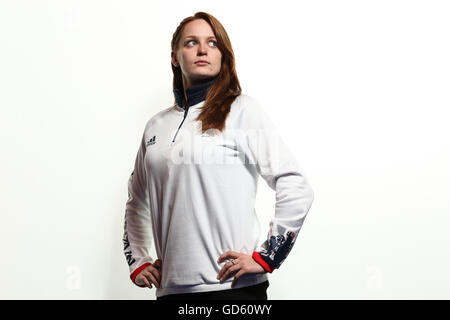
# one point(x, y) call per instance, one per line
point(151, 141)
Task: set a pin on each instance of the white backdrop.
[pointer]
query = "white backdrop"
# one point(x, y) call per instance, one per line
point(359, 89)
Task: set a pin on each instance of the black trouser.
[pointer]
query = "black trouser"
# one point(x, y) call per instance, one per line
point(255, 292)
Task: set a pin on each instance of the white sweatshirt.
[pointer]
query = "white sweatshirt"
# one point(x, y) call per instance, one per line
point(193, 197)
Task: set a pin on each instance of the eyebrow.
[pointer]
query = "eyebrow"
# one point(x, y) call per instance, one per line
point(196, 37)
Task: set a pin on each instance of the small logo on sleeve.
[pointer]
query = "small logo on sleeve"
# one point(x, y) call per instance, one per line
point(151, 141)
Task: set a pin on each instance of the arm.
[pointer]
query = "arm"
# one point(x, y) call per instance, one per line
point(137, 225)
point(279, 168)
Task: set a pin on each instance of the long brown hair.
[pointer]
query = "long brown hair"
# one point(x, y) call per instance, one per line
point(226, 87)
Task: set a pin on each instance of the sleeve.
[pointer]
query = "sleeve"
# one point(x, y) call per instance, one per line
point(137, 222)
point(280, 169)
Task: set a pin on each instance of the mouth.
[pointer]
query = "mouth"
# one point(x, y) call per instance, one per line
point(202, 63)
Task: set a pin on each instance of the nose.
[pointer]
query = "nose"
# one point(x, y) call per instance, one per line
point(201, 48)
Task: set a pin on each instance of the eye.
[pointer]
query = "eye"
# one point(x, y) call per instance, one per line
point(214, 41)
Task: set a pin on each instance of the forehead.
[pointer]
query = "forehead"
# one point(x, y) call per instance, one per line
point(198, 28)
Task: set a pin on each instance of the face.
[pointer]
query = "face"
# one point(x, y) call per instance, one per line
point(197, 43)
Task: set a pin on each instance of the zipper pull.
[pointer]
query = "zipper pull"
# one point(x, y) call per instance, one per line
point(184, 117)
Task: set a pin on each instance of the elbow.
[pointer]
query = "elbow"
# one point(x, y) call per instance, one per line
point(309, 195)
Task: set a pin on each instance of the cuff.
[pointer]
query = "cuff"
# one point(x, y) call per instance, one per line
point(257, 257)
point(136, 272)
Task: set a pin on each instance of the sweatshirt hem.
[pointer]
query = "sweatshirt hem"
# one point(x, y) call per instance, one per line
point(246, 282)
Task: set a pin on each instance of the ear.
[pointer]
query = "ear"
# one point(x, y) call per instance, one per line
point(174, 59)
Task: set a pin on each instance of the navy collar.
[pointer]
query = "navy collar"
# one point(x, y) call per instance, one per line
point(195, 94)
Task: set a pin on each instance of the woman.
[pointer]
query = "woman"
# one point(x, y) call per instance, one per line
point(194, 182)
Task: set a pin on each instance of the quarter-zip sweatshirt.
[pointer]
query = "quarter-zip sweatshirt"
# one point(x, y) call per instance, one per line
point(191, 195)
